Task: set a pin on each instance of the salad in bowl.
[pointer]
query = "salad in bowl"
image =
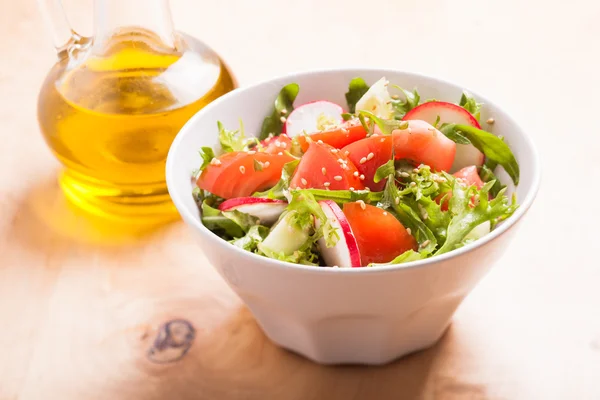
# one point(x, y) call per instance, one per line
point(386, 178)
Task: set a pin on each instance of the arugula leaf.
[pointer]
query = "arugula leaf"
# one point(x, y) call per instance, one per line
point(387, 126)
point(345, 196)
point(468, 103)
point(218, 223)
point(233, 140)
point(277, 191)
point(356, 89)
point(255, 235)
point(207, 155)
point(258, 166)
point(492, 146)
point(454, 135)
point(243, 220)
point(487, 175)
point(285, 101)
point(401, 107)
point(384, 171)
point(466, 218)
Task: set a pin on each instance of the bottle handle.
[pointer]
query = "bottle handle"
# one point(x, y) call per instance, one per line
point(63, 36)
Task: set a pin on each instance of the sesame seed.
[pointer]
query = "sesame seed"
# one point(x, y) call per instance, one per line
point(395, 97)
point(270, 136)
point(413, 184)
point(334, 151)
point(382, 140)
point(266, 164)
point(409, 130)
point(326, 184)
point(337, 177)
point(490, 121)
point(320, 141)
point(277, 143)
point(363, 160)
point(283, 119)
point(362, 177)
point(346, 153)
point(252, 152)
point(341, 161)
point(397, 200)
point(351, 189)
point(280, 153)
point(304, 182)
point(284, 111)
point(283, 145)
point(368, 189)
point(362, 204)
point(404, 174)
point(355, 173)
point(425, 243)
point(242, 169)
point(370, 156)
point(408, 231)
point(385, 213)
point(215, 161)
point(344, 130)
point(416, 170)
point(324, 171)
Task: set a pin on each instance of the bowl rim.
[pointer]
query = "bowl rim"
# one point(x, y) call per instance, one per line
point(509, 223)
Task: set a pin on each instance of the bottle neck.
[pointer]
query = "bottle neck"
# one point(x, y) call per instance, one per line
point(113, 17)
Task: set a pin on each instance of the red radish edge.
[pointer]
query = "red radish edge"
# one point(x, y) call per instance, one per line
point(348, 235)
point(415, 112)
point(242, 201)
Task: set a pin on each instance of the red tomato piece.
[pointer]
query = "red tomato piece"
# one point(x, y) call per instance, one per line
point(277, 144)
point(338, 137)
point(423, 144)
point(369, 154)
point(325, 167)
point(470, 176)
point(234, 174)
point(380, 236)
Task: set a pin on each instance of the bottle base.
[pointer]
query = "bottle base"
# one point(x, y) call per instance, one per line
point(147, 203)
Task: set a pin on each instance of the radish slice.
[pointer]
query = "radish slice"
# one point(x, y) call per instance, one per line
point(466, 154)
point(266, 210)
point(377, 100)
point(345, 253)
point(313, 117)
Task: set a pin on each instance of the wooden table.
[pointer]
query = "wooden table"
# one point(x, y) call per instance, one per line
point(81, 306)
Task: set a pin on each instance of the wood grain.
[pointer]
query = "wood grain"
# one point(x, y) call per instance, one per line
point(83, 301)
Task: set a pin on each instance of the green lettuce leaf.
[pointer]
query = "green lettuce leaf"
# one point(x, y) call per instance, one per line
point(356, 89)
point(272, 124)
point(234, 140)
point(407, 256)
point(207, 155)
point(468, 103)
point(466, 218)
point(401, 107)
point(278, 191)
point(492, 146)
point(252, 238)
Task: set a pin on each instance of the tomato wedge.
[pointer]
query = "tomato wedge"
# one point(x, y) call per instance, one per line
point(469, 176)
point(235, 175)
point(369, 154)
point(338, 137)
point(277, 144)
point(380, 236)
point(423, 144)
point(325, 167)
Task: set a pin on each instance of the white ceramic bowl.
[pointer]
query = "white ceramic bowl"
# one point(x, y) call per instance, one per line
point(360, 315)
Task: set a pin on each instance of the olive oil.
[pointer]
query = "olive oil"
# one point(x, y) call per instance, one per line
point(110, 117)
